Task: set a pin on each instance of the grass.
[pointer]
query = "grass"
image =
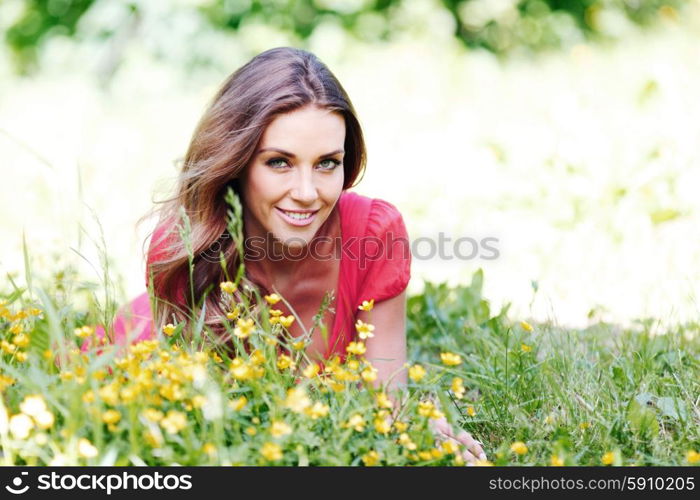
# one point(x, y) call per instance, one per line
point(572, 394)
point(533, 394)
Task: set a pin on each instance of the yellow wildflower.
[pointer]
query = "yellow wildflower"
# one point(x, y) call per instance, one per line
point(450, 447)
point(364, 330)
point(84, 331)
point(298, 346)
point(32, 405)
point(153, 438)
point(311, 370)
point(280, 428)
point(7, 347)
point(519, 447)
point(584, 425)
point(318, 410)
point(21, 340)
point(271, 451)
point(257, 357)
point(152, 414)
point(405, 440)
point(400, 426)
point(370, 459)
point(356, 422)
point(483, 463)
point(526, 326)
point(471, 411)
point(692, 457)
point(228, 287)
point(272, 299)
point(383, 400)
point(450, 359)
point(199, 401)
point(436, 414)
point(44, 420)
point(244, 328)
point(21, 356)
point(608, 458)
point(86, 449)
point(286, 321)
point(111, 417)
point(556, 461)
point(369, 374)
point(356, 348)
point(20, 426)
point(5, 381)
point(366, 305)
point(169, 329)
point(16, 328)
point(238, 404)
point(416, 373)
point(209, 449)
point(233, 314)
point(458, 387)
point(382, 425)
point(240, 369)
point(425, 408)
point(174, 422)
point(297, 400)
point(284, 362)
point(251, 431)
point(275, 313)
point(525, 348)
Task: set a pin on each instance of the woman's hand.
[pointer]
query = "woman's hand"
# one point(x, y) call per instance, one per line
point(443, 431)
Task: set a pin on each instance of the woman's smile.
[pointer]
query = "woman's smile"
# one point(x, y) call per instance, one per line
point(297, 218)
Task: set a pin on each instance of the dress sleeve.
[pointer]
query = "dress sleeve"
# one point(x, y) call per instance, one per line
point(385, 253)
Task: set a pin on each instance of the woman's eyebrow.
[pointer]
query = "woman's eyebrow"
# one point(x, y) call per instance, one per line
point(292, 155)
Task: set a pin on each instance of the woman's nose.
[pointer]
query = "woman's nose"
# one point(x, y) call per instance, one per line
point(305, 188)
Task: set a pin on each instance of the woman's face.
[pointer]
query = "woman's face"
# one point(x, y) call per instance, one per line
point(295, 176)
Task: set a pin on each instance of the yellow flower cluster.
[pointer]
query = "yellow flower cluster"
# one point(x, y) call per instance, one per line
point(20, 324)
point(33, 413)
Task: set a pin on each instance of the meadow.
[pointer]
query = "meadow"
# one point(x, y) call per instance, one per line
point(534, 394)
point(579, 345)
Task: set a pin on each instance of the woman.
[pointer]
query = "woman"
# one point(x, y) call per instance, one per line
point(284, 135)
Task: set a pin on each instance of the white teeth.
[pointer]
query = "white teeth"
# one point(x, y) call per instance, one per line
point(298, 216)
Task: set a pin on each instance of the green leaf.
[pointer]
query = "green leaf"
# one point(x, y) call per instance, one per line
point(641, 417)
point(673, 408)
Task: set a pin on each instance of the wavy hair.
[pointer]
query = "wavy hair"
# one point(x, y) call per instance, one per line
point(277, 81)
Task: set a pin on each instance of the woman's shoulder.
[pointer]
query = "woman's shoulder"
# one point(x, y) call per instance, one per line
point(383, 248)
point(375, 215)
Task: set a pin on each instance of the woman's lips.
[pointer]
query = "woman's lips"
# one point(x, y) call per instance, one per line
point(296, 222)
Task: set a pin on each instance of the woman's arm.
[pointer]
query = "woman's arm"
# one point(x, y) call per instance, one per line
point(387, 349)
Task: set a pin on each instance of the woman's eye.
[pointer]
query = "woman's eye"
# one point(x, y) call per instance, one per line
point(274, 162)
point(330, 166)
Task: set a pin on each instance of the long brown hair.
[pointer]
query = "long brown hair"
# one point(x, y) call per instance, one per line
point(279, 80)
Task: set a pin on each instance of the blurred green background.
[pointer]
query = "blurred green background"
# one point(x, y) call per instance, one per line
point(566, 129)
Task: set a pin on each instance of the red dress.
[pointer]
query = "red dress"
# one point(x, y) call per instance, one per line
point(375, 264)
